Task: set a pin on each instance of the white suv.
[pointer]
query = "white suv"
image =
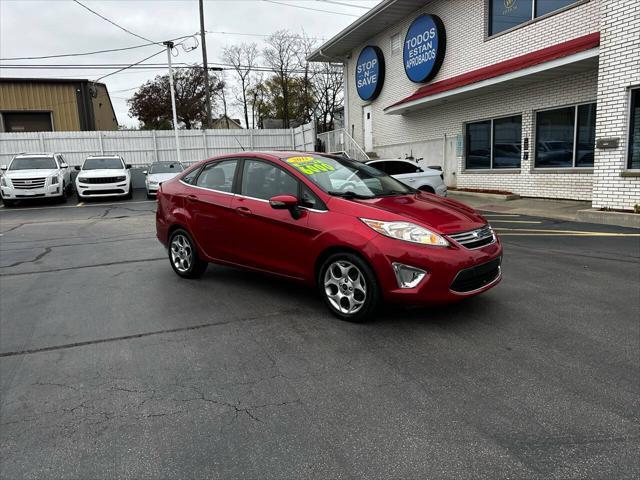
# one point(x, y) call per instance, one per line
point(104, 176)
point(35, 175)
point(409, 172)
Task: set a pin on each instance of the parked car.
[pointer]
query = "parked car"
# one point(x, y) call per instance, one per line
point(360, 242)
point(35, 175)
point(409, 172)
point(104, 176)
point(159, 172)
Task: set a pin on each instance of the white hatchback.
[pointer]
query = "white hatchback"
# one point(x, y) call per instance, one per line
point(103, 176)
point(409, 172)
point(35, 175)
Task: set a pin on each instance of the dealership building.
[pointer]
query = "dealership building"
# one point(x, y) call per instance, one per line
point(535, 97)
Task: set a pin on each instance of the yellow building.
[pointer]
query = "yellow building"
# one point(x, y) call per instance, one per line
point(54, 105)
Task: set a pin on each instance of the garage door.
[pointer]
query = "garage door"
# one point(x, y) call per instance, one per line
point(27, 122)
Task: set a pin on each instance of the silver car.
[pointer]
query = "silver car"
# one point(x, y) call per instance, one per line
point(409, 172)
point(159, 172)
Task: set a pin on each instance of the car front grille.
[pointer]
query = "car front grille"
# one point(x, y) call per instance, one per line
point(476, 277)
point(474, 238)
point(103, 180)
point(28, 183)
point(103, 192)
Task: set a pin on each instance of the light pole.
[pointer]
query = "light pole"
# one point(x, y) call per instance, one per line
point(169, 45)
point(203, 39)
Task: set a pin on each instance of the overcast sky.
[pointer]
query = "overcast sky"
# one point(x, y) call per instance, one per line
point(34, 28)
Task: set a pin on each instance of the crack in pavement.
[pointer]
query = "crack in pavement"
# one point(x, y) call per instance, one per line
point(145, 334)
point(81, 243)
point(47, 251)
point(63, 269)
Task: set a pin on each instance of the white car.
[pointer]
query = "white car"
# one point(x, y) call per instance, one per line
point(104, 176)
point(35, 175)
point(409, 172)
point(159, 172)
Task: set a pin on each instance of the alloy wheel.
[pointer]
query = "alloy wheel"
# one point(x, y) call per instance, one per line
point(181, 253)
point(345, 287)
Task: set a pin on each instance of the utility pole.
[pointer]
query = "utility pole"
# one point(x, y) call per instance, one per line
point(169, 45)
point(204, 63)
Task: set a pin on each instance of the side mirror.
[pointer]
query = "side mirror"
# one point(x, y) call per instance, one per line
point(128, 166)
point(286, 202)
point(144, 172)
point(64, 165)
point(77, 167)
point(3, 167)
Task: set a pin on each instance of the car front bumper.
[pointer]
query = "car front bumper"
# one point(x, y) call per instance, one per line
point(47, 191)
point(102, 189)
point(451, 273)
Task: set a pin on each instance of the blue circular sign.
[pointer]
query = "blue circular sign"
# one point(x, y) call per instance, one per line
point(369, 73)
point(424, 48)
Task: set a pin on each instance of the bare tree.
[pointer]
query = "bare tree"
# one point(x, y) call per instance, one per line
point(282, 56)
point(243, 58)
point(309, 71)
point(329, 85)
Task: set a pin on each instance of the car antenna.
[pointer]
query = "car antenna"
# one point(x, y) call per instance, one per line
point(236, 139)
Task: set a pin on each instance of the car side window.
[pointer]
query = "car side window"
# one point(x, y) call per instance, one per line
point(191, 176)
point(309, 199)
point(264, 180)
point(218, 176)
point(382, 166)
point(401, 168)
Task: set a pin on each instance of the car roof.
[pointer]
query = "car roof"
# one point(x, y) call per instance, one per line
point(104, 156)
point(36, 154)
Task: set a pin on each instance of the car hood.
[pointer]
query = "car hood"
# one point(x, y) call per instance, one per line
point(444, 215)
point(103, 172)
point(162, 177)
point(34, 173)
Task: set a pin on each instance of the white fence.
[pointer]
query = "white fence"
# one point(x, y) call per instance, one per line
point(146, 146)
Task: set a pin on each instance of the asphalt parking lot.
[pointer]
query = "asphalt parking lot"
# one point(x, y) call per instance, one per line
point(112, 366)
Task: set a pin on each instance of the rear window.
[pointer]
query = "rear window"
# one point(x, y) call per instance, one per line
point(166, 168)
point(98, 163)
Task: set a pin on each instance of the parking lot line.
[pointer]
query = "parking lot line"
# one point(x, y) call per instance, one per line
point(81, 204)
point(500, 215)
point(560, 233)
point(515, 221)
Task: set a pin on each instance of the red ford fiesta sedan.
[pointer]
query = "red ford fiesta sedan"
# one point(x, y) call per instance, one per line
point(358, 234)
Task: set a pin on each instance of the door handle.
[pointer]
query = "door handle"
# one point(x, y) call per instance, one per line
point(244, 211)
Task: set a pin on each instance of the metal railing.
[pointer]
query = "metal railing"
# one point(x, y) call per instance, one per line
point(339, 141)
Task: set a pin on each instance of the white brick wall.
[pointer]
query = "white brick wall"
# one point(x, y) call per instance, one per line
point(619, 69)
point(467, 50)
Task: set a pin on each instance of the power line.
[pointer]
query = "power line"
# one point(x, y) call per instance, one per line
point(132, 65)
point(114, 23)
point(42, 57)
point(343, 4)
point(309, 8)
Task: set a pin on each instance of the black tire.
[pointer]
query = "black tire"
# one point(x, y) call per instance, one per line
point(196, 267)
point(8, 203)
point(427, 189)
point(63, 197)
point(367, 298)
point(150, 197)
point(80, 197)
point(130, 194)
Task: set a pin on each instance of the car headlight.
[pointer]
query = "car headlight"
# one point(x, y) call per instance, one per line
point(409, 232)
point(55, 180)
point(4, 182)
point(82, 180)
point(151, 182)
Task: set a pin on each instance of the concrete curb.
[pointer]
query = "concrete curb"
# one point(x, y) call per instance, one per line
point(497, 196)
point(603, 217)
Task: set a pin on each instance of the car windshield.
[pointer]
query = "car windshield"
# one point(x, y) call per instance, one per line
point(347, 178)
point(33, 163)
point(98, 163)
point(165, 168)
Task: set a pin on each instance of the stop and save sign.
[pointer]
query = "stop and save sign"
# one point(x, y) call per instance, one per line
point(424, 47)
point(369, 73)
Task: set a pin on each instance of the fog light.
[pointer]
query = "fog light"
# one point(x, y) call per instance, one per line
point(406, 276)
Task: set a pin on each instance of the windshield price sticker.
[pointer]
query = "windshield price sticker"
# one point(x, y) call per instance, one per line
point(310, 165)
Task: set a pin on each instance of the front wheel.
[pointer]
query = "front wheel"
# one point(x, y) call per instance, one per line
point(129, 195)
point(183, 256)
point(349, 287)
point(8, 203)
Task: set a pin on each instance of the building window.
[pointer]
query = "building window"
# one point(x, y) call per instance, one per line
point(506, 14)
point(565, 137)
point(634, 130)
point(494, 143)
point(396, 43)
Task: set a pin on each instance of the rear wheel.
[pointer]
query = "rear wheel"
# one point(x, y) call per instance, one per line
point(349, 287)
point(183, 256)
point(426, 188)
